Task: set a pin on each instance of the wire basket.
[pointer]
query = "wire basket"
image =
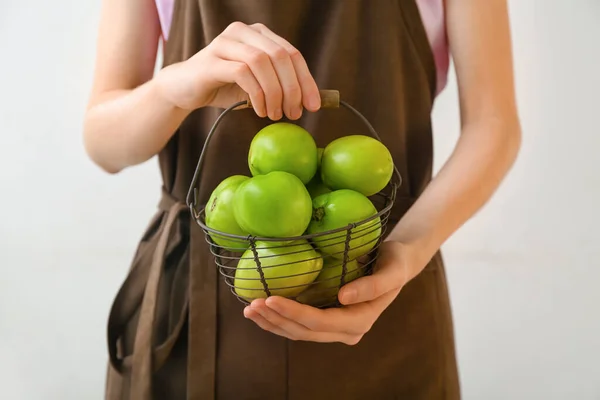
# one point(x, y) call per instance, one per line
point(310, 268)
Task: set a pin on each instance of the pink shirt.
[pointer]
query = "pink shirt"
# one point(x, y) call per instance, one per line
point(432, 14)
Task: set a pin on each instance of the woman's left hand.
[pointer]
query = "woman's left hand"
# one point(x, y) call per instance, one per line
point(363, 302)
point(479, 36)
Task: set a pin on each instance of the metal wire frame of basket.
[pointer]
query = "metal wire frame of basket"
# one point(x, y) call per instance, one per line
point(310, 268)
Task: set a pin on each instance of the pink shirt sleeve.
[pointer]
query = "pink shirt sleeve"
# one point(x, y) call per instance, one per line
point(165, 15)
point(432, 14)
point(434, 19)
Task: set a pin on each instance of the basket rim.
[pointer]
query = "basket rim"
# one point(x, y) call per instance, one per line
point(253, 238)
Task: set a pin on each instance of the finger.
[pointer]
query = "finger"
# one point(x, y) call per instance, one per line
point(240, 74)
point(388, 276)
point(283, 65)
point(260, 64)
point(263, 323)
point(296, 331)
point(355, 320)
point(310, 91)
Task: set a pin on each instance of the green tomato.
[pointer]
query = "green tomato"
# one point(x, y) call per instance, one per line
point(357, 162)
point(316, 188)
point(219, 214)
point(287, 268)
point(339, 209)
point(283, 146)
point(275, 205)
point(325, 288)
point(319, 157)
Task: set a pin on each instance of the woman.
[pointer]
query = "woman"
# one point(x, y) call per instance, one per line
point(175, 331)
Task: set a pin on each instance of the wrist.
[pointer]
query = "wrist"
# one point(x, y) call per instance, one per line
point(418, 251)
point(173, 90)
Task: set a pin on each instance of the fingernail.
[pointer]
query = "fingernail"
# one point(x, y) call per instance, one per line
point(277, 114)
point(295, 112)
point(272, 304)
point(262, 113)
point(348, 295)
point(314, 101)
point(261, 312)
point(269, 302)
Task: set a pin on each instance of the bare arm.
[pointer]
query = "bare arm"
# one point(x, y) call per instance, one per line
point(131, 114)
point(490, 139)
point(127, 121)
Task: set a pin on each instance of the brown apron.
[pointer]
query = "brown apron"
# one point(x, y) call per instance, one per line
point(175, 331)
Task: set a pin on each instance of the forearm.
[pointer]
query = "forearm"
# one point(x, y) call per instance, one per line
point(483, 156)
point(127, 127)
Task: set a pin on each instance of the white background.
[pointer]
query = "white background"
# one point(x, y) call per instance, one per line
point(523, 273)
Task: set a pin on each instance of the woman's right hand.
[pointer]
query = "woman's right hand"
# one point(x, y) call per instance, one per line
point(244, 61)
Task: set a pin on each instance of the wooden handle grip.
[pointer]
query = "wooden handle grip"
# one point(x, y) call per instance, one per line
point(329, 99)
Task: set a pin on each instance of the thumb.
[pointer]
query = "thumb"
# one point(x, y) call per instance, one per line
point(389, 274)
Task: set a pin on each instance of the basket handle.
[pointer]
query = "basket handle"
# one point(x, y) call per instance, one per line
point(329, 99)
